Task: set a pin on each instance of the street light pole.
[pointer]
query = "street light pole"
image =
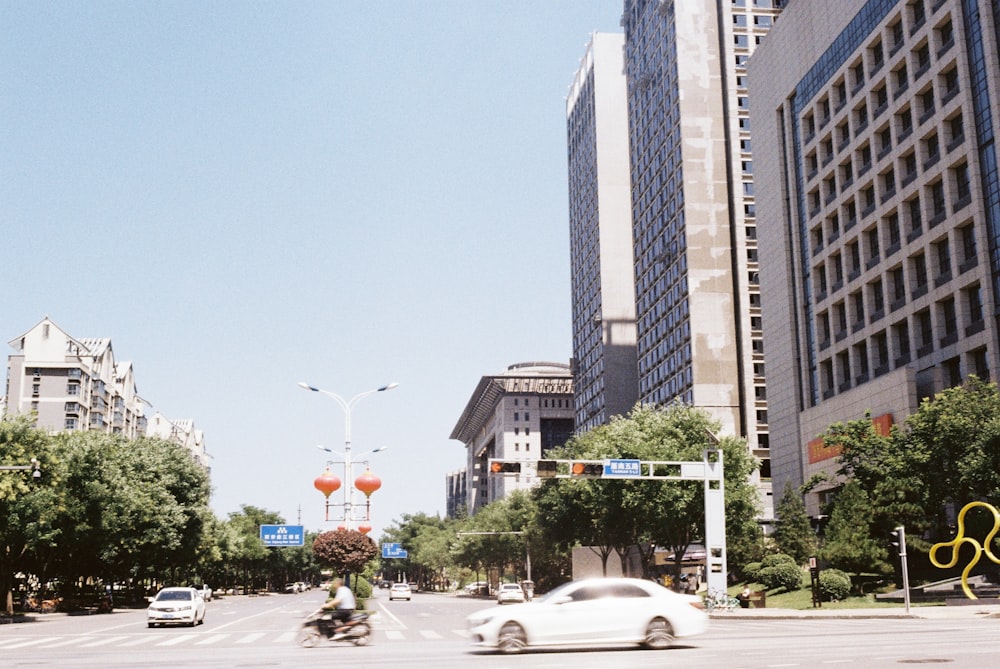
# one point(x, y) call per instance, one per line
point(35, 466)
point(348, 407)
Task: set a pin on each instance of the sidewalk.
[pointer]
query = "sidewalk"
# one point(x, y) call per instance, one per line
point(965, 611)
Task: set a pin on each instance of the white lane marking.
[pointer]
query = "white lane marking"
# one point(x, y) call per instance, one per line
point(102, 642)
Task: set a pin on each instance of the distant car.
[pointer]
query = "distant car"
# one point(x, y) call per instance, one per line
point(176, 606)
point(510, 592)
point(400, 591)
point(292, 587)
point(206, 592)
point(592, 612)
point(477, 588)
point(385, 584)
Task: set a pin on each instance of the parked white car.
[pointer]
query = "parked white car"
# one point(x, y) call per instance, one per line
point(510, 592)
point(592, 612)
point(176, 606)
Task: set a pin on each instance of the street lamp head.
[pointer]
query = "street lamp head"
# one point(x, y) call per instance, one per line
point(388, 387)
point(303, 384)
point(380, 449)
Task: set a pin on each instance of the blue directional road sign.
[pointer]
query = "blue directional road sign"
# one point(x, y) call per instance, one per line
point(622, 468)
point(282, 535)
point(393, 551)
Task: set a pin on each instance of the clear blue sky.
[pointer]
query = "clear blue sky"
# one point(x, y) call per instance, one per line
point(244, 195)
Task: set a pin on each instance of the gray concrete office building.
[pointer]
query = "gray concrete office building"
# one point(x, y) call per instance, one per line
point(878, 208)
point(698, 306)
point(600, 224)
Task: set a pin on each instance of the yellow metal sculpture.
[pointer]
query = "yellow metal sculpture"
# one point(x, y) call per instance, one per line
point(960, 539)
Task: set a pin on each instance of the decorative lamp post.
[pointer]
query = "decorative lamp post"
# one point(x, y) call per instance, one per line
point(348, 407)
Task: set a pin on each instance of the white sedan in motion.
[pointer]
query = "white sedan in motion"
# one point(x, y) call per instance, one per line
point(592, 612)
point(176, 606)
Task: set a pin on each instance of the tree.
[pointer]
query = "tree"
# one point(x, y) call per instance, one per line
point(945, 453)
point(618, 515)
point(848, 542)
point(344, 551)
point(24, 501)
point(794, 535)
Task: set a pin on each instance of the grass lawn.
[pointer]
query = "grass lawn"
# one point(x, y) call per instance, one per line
point(802, 599)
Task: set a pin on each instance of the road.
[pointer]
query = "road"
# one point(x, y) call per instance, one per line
point(429, 631)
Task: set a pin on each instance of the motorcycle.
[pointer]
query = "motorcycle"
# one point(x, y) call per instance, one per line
point(319, 626)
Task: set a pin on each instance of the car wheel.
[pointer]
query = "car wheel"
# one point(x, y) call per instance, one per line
point(512, 639)
point(308, 637)
point(659, 635)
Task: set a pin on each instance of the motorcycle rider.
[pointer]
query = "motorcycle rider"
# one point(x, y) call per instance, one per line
point(341, 606)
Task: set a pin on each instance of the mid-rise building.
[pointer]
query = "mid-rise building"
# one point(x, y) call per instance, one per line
point(605, 376)
point(698, 304)
point(71, 384)
point(878, 203)
point(517, 416)
point(182, 432)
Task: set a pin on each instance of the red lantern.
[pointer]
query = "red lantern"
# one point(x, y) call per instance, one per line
point(327, 482)
point(364, 528)
point(341, 527)
point(368, 483)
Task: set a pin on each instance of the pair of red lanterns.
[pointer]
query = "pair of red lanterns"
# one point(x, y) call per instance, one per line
point(328, 483)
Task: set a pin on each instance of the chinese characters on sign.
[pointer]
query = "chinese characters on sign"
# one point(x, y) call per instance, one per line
point(282, 535)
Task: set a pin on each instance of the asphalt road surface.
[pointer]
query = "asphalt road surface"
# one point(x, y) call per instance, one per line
point(429, 631)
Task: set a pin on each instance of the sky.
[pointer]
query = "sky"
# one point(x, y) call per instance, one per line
point(246, 195)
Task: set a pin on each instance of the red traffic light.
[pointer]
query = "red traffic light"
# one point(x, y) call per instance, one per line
point(586, 470)
point(504, 467)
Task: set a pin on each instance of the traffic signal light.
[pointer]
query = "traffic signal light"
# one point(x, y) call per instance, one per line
point(586, 470)
point(897, 541)
point(504, 467)
point(546, 469)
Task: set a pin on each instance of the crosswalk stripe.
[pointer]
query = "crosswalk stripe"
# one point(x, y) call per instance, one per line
point(286, 637)
point(69, 641)
point(102, 642)
point(31, 642)
point(250, 638)
point(135, 642)
point(175, 641)
point(215, 638)
point(394, 635)
point(429, 634)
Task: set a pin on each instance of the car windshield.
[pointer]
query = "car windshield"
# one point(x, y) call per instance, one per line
point(173, 595)
point(557, 592)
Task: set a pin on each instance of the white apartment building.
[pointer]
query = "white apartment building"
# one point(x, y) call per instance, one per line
point(72, 384)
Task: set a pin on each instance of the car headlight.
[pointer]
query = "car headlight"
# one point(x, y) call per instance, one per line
point(476, 622)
